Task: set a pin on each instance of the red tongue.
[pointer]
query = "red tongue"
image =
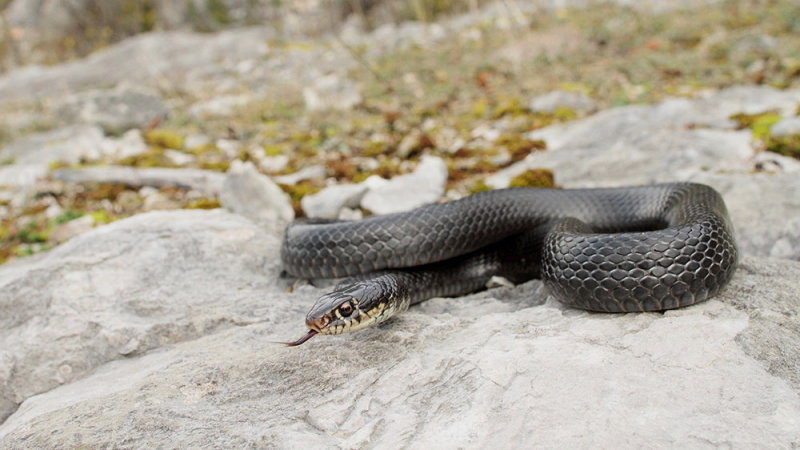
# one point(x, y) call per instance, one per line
point(309, 335)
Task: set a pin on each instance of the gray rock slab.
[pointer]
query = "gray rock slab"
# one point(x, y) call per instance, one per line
point(21, 175)
point(422, 186)
point(116, 110)
point(128, 287)
point(150, 58)
point(719, 373)
point(32, 155)
point(251, 194)
point(69, 145)
point(673, 140)
point(205, 181)
point(765, 210)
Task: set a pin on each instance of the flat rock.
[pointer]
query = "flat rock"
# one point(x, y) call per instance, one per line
point(32, 155)
point(125, 288)
point(68, 145)
point(206, 181)
point(116, 110)
point(422, 186)
point(148, 348)
point(247, 192)
point(634, 144)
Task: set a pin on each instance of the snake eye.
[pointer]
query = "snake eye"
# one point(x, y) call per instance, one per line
point(345, 309)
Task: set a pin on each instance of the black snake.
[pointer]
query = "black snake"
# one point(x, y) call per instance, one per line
point(644, 248)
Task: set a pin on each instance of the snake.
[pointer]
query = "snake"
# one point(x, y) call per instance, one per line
point(614, 249)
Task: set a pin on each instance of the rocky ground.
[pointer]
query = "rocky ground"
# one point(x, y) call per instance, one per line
point(145, 189)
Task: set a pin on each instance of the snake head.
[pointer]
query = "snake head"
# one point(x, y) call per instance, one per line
point(352, 307)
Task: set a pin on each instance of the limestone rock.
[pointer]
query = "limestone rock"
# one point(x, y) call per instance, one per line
point(116, 110)
point(786, 127)
point(423, 186)
point(634, 144)
point(765, 210)
point(69, 145)
point(32, 155)
point(255, 196)
point(125, 288)
point(328, 203)
point(205, 181)
point(199, 369)
point(552, 101)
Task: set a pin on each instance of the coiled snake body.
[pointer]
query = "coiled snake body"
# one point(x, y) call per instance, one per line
point(644, 248)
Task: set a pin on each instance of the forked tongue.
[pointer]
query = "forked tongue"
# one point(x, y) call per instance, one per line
point(309, 335)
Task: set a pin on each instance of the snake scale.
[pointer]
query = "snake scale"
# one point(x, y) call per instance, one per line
point(626, 249)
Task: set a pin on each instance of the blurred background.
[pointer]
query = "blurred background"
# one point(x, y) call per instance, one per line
point(320, 93)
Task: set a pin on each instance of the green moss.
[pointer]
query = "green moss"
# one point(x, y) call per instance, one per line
point(204, 203)
point(760, 123)
point(375, 148)
point(101, 216)
point(479, 186)
point(218, 11)
point(32, 233)
point(563, 114)
point(785, 145)
point(218, 165)
point(55, 165)
point(509, 106)
point(7, 162)
point(273, 150)
point(534, 178)
point(67, 216)
point(480, 107)
point(519, 146)
point(297, 192)
point(164, 139)
point(154, 157)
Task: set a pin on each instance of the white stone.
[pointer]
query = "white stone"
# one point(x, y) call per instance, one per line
point(179, 158)
point(315, 172)
point(255, 196)
point(329, 202)
point(230, 147)
point(196, 140)
point(273, 163)
point(787, 126)
point(422, 186)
